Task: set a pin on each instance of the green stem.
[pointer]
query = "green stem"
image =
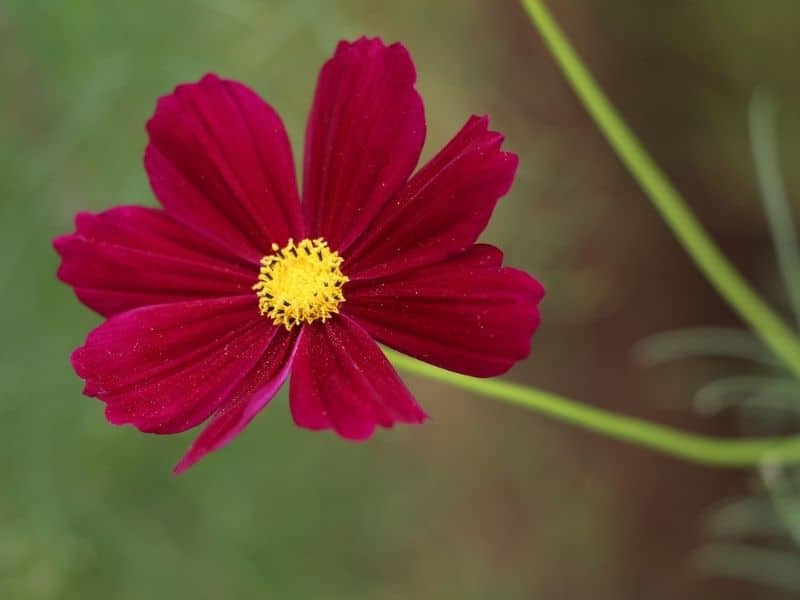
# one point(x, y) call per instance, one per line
point(725, 279)
point(699, 449)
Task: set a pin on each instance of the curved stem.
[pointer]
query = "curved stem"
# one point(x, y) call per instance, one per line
point(706, 255)
point(699, 449)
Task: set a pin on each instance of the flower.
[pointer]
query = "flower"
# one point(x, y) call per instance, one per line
point(211, 300)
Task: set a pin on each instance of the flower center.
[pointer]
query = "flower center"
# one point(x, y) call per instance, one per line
point(300, 282)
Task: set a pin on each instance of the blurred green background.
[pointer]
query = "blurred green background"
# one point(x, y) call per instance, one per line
point(485, 501)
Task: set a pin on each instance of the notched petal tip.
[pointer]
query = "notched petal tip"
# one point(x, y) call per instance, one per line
point(208, 79)
point(78, 361)
point(538, 291)
point(485, 139)
point(490, 140)
point(366, 44)
point(61, 242)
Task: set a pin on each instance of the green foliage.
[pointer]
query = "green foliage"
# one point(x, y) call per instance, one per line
point(766, 402)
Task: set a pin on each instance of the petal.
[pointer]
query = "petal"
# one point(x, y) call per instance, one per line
point(220, 162)
point(132, 256)
point(167, 368)
point(342, 380)
point(364, 137)
point(467, 314)
point(250, 396)
point(442, 210)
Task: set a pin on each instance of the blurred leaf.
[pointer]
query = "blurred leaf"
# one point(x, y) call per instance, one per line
point(750, 563)
point(745, 516)
point(696, 342)
point(770, 393)
point(785, 497)
point(763, 140)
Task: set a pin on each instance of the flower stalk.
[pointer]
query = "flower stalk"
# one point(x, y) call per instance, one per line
point(700, 449)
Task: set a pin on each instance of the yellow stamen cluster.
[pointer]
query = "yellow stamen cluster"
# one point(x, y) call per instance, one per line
point(300, 283)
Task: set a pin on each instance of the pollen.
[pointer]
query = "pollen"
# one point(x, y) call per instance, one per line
point(300, 283)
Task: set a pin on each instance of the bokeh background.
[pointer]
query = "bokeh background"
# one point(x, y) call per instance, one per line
point(486, 500)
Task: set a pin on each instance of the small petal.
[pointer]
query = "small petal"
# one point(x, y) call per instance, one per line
point(443, 208)
point(342, 380)
point(364, 137)
point(167, 368)
point(220, 162)
point(132, 256)
point(465, 314)
point(251, 395)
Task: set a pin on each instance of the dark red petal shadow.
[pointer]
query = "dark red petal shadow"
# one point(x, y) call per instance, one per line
point(342, 381)
point(466, 314)
point(132, 256)
point(250, 396)
point(220, 162)
point(364, 137)
point(443, 208)
point(167, 368)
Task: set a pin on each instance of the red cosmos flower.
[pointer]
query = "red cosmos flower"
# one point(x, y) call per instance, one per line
point(213, 299)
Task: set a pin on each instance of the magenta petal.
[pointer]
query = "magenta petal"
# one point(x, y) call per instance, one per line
point(250, 396)
point(342, 380)
point(132, 256)
point(364, 137)
point(220, 162)
point(443, 208)
point(167, 368)
point(465, 314)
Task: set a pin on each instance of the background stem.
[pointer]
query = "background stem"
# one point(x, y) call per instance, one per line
point(667, 200)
